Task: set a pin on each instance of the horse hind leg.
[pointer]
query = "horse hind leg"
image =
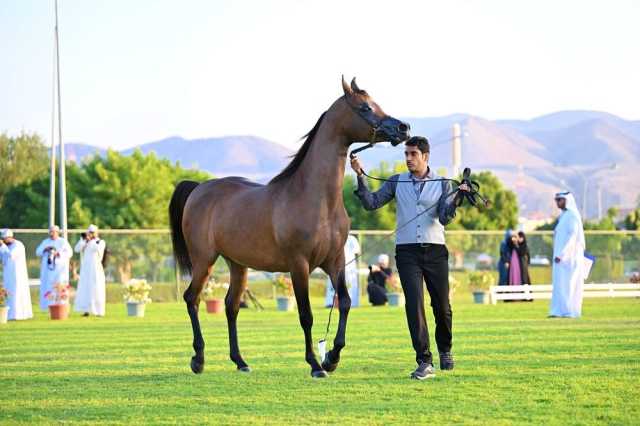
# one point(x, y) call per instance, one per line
point(200, 275)
point(238, 283)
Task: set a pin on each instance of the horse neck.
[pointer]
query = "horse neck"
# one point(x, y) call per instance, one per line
point(322, 170)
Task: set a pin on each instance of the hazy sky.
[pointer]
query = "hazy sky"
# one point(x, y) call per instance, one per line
point(138, 71)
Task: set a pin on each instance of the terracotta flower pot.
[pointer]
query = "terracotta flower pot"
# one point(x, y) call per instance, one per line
point(59, 312)
point(215, 306)
point(4, 314)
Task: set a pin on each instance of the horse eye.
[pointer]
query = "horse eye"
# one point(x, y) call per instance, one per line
point(365, 108)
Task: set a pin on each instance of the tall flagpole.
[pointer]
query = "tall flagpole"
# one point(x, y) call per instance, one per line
point(63, 189)
point(52, 175)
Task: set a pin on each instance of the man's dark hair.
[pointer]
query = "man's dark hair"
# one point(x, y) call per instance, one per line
point(420, 141)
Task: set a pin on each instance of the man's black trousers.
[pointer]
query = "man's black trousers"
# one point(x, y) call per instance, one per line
point(417, 263)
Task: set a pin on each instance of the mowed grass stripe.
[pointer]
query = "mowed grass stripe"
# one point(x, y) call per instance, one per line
point(513, 366)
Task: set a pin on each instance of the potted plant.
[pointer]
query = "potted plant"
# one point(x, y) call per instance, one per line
point(395, 296)
point(136, 295)
point(212, 296)
point(479, 283)
point(60, 295)
point(284, 286)
point(4, 309)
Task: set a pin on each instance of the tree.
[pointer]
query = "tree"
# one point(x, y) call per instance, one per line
point(26, 205)
point(383, 218)
point(607, 248)
point(24, 158)
point(131, 192)
point(502, 212)
point(116, 191)
point(632, 220)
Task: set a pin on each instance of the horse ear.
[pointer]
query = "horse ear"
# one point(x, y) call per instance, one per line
point(345, 88)
point(354, 86)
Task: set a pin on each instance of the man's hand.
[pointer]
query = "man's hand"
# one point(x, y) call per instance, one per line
point(375, 268)
point(356, 165)
point(506, 264)
point(557, 260)
point(464, 187)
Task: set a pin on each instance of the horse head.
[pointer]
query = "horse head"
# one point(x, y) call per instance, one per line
point(367, 121)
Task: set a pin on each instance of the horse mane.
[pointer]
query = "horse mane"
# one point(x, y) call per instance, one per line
point(298, 157)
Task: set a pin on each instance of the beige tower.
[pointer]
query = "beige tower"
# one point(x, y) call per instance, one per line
point(456, 162)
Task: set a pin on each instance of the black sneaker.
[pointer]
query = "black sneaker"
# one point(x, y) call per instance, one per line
point(446, 361)
point(424, 371)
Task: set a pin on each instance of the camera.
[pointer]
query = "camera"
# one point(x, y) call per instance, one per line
point(83, 235)
point(51, 257)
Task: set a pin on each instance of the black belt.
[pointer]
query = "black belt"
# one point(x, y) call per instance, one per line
point(417, 245)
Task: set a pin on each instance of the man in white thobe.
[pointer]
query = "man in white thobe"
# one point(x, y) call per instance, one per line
point(55, 252)
point(351, 250)
point(91, 294)
point(568, 260)
point(15, 277)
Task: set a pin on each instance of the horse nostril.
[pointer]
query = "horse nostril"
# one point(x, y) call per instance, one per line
point(402, 127)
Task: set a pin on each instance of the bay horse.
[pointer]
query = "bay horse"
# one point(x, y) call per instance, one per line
point(295, 223)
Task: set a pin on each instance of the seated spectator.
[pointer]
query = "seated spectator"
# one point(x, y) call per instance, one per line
point(379, 275)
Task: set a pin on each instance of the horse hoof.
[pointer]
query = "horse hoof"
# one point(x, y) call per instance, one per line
point(244, 369)
point(327, 366)
point(320, 374)
point(196, 366)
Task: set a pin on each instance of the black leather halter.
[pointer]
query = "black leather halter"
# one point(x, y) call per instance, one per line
point(371, 120)
point(368, 116)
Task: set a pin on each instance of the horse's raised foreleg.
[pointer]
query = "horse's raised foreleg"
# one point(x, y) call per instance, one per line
point(300, 278)
point(330, 363)
point(232, 306)
point(191, 296)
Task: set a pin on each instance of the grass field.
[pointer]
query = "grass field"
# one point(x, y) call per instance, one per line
point(514, 366)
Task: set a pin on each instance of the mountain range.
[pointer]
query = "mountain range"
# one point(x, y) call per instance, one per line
point(584, 151)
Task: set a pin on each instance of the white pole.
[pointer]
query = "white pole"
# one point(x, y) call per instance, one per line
point(599, 202)
point(52, 174)
point(63, 189)
point(584, 198)
point(456, 160)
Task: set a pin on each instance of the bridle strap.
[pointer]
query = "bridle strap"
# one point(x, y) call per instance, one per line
point(375, 124)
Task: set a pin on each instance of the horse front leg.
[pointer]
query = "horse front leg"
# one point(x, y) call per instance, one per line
point(332, 358)
point(300, 278)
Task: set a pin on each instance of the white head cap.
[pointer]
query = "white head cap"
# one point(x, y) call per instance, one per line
point(55, 228)
point(383, 259)
point(6, 233)
point(92, 228)
point(571, 204)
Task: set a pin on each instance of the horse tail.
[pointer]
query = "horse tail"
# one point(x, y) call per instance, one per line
point(176, 209)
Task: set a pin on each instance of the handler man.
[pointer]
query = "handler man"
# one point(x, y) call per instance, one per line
point(421, 253)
